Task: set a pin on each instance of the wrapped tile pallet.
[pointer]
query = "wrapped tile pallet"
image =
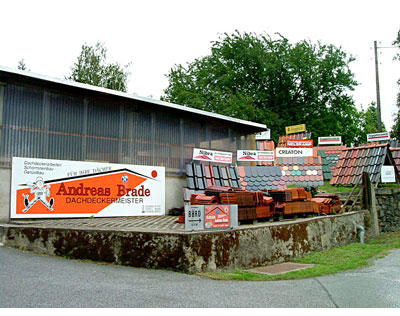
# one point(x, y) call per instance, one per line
point(269, 203)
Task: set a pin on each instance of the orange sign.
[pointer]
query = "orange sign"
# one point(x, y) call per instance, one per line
point(118, 192)
point(299, 143)
point(217, 217)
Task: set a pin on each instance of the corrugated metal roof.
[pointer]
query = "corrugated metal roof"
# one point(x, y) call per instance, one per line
point(110, 92)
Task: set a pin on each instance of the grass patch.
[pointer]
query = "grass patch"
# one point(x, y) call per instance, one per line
point(327, 188)
point(327, 262)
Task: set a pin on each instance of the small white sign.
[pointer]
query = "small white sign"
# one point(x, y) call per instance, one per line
point(255, 155)
point(330, 140)
point(387, 174)
point(293, 152)
point(265, 135)
point(212, 155)
point(377, 137)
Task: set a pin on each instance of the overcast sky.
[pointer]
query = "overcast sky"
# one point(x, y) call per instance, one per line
point(155, 35)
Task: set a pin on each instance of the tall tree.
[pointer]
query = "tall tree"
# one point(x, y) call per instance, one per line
point(369, 121)
point(396, 127)
point(271, 81)
point(92, 67)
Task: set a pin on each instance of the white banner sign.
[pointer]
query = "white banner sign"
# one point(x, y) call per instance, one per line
point(43, 188)
point(212, 156)
point(255, 155)
point(377, 137)
point(293, 152)
point(387, 174)
point(330, 140)
point(264, 135)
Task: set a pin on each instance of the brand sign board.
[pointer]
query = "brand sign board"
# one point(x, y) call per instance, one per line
point(210, 217)
point(387, 174)
point(377, 137)
point(255, 155)
point(44, 188)
point(294, 152)
point(212, 155)
point(299, 143)
point(330, 140)
point(295, 129)
point(265, 135)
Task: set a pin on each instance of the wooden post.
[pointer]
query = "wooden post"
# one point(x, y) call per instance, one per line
point(369, 202)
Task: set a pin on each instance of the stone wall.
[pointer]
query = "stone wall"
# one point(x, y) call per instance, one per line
point(388, 206)
point(244, 247)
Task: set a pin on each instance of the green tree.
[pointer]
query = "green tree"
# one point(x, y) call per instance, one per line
point(369, 122)
point(22, 65)
point(92, 68)
point(271, 81)
point(395, 133)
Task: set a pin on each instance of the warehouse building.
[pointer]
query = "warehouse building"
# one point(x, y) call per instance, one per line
point(43, 117)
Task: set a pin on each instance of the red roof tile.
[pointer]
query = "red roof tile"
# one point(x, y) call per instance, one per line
point(354, 161)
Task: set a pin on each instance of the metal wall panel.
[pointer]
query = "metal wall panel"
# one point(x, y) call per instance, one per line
point(40, 123)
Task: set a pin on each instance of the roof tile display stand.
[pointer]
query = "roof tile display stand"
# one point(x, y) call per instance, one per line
point(303, 135)
point(326, 170)
point(301, 171)
point(354, 161)
point(332, 154)
point(396, 157)
point(267, 145)
point(254, 178)
point(199, 177)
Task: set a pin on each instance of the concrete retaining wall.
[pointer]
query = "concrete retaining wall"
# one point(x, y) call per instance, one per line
point(191, 252)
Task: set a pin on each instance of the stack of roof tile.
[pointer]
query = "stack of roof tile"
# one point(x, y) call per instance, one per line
point(332, 154)
point(327, 203)
point(251, 205)
point(293, 201)
point(354, 161)
point(301, 171)
point(254, 178)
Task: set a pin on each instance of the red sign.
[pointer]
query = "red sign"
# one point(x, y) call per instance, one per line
point(217, 216)
point(299, 143)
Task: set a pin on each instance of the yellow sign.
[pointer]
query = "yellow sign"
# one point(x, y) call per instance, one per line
point(295, 128)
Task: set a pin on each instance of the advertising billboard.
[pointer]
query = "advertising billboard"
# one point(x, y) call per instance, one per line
point(44, 188)
point(255, 155)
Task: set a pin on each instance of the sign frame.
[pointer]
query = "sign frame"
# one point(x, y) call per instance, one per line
point(378, 137)
point(295, 129)
point(49, 188)
point(294, 152)
point(299, 143)
point(255, 155)
point(212, 156)
point(330, 140)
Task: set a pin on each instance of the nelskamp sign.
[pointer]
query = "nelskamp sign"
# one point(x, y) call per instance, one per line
point(43, 188)
point(330, 140)
point(377, 137)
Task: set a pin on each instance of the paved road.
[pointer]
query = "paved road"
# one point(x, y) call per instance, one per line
point(30, 280)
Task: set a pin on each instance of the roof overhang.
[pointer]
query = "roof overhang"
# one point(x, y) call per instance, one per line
point(162, 104)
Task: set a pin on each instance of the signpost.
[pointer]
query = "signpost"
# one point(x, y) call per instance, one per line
point(294, 152)
point(387, 174)
point(212, 155)
point(377, 137)
point(255, 155)
point(295, 129)
point(299, 143)
point(265, 135)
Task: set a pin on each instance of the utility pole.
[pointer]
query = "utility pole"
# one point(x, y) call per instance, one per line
point(378, 95)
